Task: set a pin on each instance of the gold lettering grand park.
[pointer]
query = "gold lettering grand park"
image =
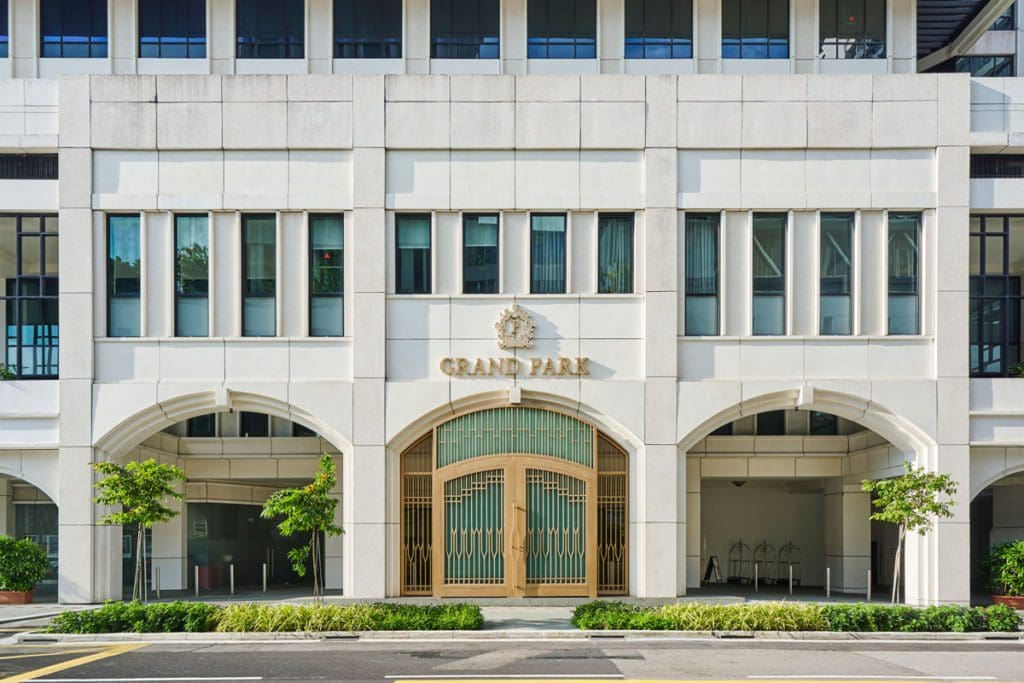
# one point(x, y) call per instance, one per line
point(510, 367)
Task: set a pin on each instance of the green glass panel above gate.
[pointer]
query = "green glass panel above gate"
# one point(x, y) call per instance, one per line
point(530, 431)
point(556, 539)
point(474, 552)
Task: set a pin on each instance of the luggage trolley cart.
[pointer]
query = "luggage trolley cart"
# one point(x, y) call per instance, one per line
point(739, 563)
point(789, 554)
point(766, 569)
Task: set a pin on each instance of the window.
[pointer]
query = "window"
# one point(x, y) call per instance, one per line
point(823, 424)
point(28, 268)
point(904, 301)
point(270, 29)
point(191, 276)
point(412, 257)
point(852, 29)
point(172, 29)
point(480, 254)
point(73, 28)
point(464, 29)
point(204, 426)
point(547, 253)
point(5, 35)
point(701, 273)
point(724, 430)
point(771, 423)
point(561, 29)
point(615, 254)
point(124, 276)
point(997, 165)
point(1007, 21)
point(755, 29)
point(997, 303)
point(259, 275)
point(300, 430)
point(769, 274)
point(253, 425)
point(367, 29)
point(659, 29)
point(28, 166)
point(984, 66)
point(326, 275)
point(836, 314)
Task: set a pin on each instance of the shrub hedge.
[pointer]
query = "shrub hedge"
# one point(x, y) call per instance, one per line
point(783, 616)
point(134, 617)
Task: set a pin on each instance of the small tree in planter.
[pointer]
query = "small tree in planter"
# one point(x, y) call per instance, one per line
point(307, 510)
point(140, 489)
point(910, 501)
point(23, 564)
point(1004, 572)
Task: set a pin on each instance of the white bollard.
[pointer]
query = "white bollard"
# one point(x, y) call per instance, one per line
point(791, 579)
point(755, 576)
point(157, 580)
point(196, 574)
point(264, 577)
point(231, 577)
point(869, 585)
point(828, 582)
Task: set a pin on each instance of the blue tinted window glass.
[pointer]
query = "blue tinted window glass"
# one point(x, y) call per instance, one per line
point(367, 29)
point(852, 29)
point(659, 29)
point(124, 269)
point(5, 38)
point(755, 29)
point(73, 28)
point(270, 29)
point(464, 29)
point(172, 29)
point(561, 29)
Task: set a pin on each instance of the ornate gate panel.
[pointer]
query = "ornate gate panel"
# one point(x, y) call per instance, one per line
point(556, 532)
point(473, 533)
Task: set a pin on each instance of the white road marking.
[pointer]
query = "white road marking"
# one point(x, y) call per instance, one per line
point(849, 677)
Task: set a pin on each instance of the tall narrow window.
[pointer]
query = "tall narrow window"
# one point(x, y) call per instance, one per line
point(769, 274)
point(412, 258)
point(271, 29)
point(852, 29)
point(191, 276)
point(836, 315)
point(561, 29)
point(615, 254)
point(326, 275)
point(259, 275)
point(701, 273)
point(5, 34)
point(73, 28)
point(755, 29)
point(172, 29)
point(904, 275)
point(124, 276)
point(480, 254)
point(28, 301)
point(996, 296)
point(367, 29)
point(464, 29)
point(547, 253)
point(659, 29)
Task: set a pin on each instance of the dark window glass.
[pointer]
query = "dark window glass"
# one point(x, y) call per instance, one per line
point(996, 301)
point(73, 28)
point(701, 273)
point(823, 424)
point(172, 29)
point(1007, 21)
point(5, 36)
point(412, 257)
point(561, 29)
point(724, 430)
point(124, 270)
point(326, 275)
point(836, 305)
point(755, 29)
point(464, 29)
point(253, 425)
point(547, 253)
point(904, 291)
point(659, 29)
point(852, 29)
point(769, 274)
point(271, 29)
point(191, 276)
point(299, 430)
point(997, 165)
point(771, 423)
point(615, 254)
point(259, 275)
point(204, 426)
point(985, 66)
point(28, 270)
point(480, 254)
point(367, 29)
point(28, 166)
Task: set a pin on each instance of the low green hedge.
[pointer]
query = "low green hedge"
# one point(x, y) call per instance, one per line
point(195, 617)
point(783, 616)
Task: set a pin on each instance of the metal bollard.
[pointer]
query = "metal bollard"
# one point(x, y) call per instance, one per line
point(755, 576)
point(196, 574)
point(231, 578)
point(828, 582)
point(791, 579)
point(264, 577)
point(157, 581)
point(869, 585)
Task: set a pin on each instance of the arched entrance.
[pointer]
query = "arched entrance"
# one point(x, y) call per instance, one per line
point(514, 501)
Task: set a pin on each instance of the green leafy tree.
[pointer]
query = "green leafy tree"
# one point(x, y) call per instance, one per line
point(307, 510)
point(912, 501)
point(139, 489)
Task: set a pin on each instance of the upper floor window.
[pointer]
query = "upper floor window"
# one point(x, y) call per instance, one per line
point(1007, 21)
point(701, 274)
point(28, 269)
point(547, 253)
point(412, 253)
point(480, 254)
point(259, 275)
point(561, 29)
point(996, 297)
point(73, 28)
point(836, 309)
point(326, 275)
point(755, 29)
point(172, 29)
point(271, 29)
point(124, 277)
point(852, 29)
point(191, 276)
point(464, 29)
point(615, 254)
point(770, 423)
point(659, 29)
point(5, 34)
point(985, 66)
point(769, 273)
point(367, 29)
point(904, 273)
point(204, 426)
point(253, 425)
point(822, 424)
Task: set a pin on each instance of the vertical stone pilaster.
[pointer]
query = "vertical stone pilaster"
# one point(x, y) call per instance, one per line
point(847, 536)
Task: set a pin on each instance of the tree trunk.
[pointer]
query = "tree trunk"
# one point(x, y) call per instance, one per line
point(898, 564)
point(316, 580)
point(140, 548)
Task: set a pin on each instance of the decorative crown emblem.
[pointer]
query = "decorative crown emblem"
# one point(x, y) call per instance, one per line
point(515, 329)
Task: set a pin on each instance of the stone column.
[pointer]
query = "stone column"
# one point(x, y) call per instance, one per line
point(695, 562)
point(334, 547)
point(6, 508)
point(847, 536)
point(170, 549)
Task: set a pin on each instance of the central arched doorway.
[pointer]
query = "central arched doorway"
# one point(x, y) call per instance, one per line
point(514, 501)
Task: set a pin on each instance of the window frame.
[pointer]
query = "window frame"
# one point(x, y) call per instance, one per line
point(191, 39)
point(1007, 299)
point(565, 249)
point(632, 249)
point(110, 275)
point(287, 31)
point(919, 264)
point(178, 295)
point(851, 218)
point(861, 44)
point(718, 273)
point(381, 40)
point(430, 253)
point(742, 39)
point(334, 295)
point(245, 273)
point(643, 42)
point(579, 43)
point(786, 229)
point(481, 34)
point(94, 41)
point(497, 247)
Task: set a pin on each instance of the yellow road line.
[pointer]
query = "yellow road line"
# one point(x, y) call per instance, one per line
point(44, 654)
point(112, 651)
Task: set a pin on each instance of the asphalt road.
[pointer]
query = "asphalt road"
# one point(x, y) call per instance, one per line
point(577, 659)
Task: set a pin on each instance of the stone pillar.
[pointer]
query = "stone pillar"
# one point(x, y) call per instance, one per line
point(170, 550)
point(6, 508)
point(611, 15)
point(695, 562)
point(513, 37)
point(24, 37)
point(847, 536)
point(334, 548)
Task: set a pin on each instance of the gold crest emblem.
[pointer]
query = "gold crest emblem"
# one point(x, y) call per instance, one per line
point(515, 329)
